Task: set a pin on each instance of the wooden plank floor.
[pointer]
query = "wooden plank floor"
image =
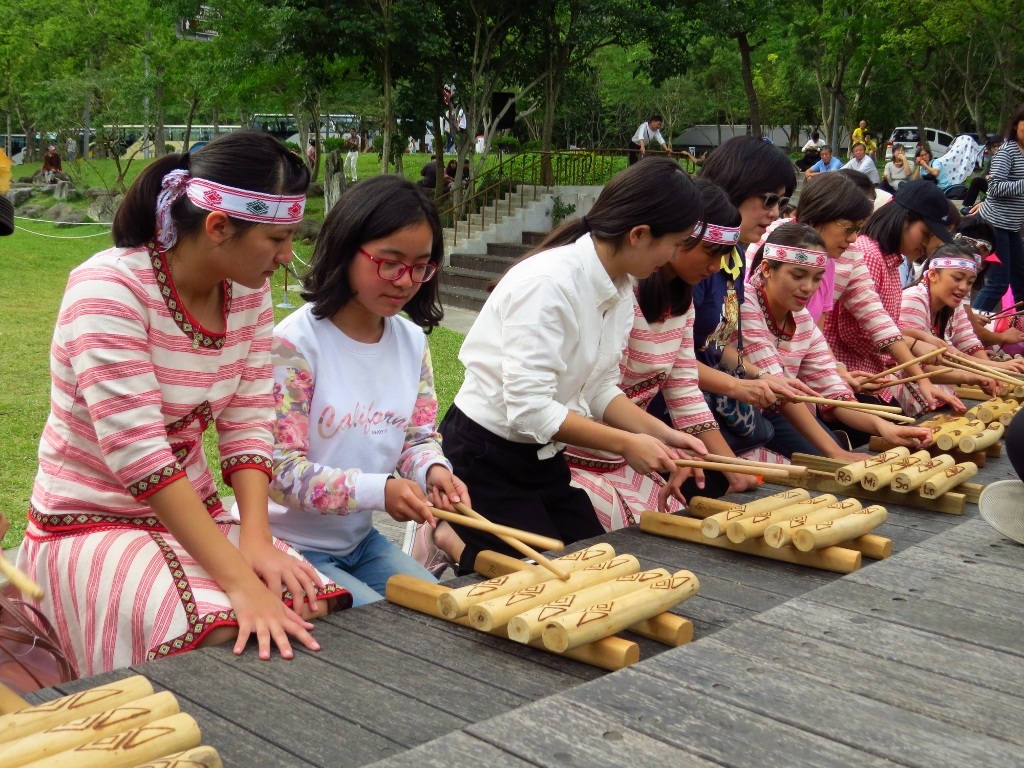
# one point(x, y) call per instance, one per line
point(911, 661)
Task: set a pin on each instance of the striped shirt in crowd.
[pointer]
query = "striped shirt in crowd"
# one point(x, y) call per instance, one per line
point(1004, 204)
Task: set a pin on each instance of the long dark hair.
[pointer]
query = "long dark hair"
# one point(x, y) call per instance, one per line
point(745, 166)
point(658, 296)
point(371, 210)
point(885, 226)
point(829, 197)
point(250, 160)
point(948, 251)
point(793, 235)
point(1011, 127)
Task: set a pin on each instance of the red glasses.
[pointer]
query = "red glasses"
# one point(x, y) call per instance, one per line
point(393, 270)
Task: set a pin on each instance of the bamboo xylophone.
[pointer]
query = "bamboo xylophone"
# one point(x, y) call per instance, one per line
point(118, 725)
point(577, 617)
point(819, 532)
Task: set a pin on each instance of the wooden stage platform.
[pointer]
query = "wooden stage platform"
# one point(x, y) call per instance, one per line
point(916, 661)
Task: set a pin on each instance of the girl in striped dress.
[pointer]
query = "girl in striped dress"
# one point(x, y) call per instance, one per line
point(157, 339)
point(781, 336)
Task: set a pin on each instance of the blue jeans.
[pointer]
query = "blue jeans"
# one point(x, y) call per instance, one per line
point(788, 440)
point(1010, 271)
point(365, 571)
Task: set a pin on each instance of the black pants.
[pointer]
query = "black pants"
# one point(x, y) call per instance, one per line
point(634, 152)
point(1014, 442)
point(509, 485)
point(978, 184)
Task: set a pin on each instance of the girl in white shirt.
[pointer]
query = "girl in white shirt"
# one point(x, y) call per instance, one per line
point(542, 363)
point(354, 390)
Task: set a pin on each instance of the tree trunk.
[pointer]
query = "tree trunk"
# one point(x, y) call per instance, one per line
point(552, 89)
point(85, 139)
point(216, 121)
point(193, 105)
point(160, 136)
point(334, 179)
point(748, 85)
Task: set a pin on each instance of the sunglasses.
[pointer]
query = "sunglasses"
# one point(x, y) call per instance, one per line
point(771, 200)
point(850, 229)
point(393, 270)
point(983, 247)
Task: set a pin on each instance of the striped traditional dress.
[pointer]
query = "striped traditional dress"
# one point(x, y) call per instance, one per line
point(659, 358)
point(135, 383)
point(916, 312)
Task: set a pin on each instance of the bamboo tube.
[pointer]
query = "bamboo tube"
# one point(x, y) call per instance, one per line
point(870, 545)
point(738, 469)
point(912, 379)
point(989, 413)
point(792, 469)
point(715, 525)
point(854, 473)
point(494, 613)
point(533, 539)
point(529, 625)
point(1007, 416)
point(490, 564)
point(879, 477)
point(457, 602)
point(781, 533)
point(949, 479)
point(969, 392)
point(947, 440)
point(611, 653)
point(73, 707)
point(993, 432)
point(200, 757)
point(901, 366)
point(914, 477)
point(836, 559)
point(855, 404)
point(982, 372)
point(826, 534)
point(754, 527)
point(22, 582)
point(126, 750)
point(10, 701)
point(67, 736)
point(603, 619)
point(519, 545)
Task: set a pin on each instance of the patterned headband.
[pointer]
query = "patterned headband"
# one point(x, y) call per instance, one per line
point(800, 256)
point(257, 207)
point(968, 265)
point(716, 234)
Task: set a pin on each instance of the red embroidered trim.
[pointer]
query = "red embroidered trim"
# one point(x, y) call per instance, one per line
point(704, 426)
point(762, 301)
point(179, 313)
point(644, 387)
point(593, 465)
point(75, 522)
point(203, 412)
point(149, 485)
point(245, 461)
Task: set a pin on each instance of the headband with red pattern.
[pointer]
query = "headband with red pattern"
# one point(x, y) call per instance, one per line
point(968, 265)
point(800, 256)
point(716, 234)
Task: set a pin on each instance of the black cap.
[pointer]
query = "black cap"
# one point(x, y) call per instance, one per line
point(6, 216)
point(926, 200)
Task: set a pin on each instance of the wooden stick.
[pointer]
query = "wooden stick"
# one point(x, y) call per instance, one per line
point(854, 473)
point(834, 559)
point(494, 613)
point(480, 524)
point(200, 757)
point(754, 527)
point(457, 602)
point(987, 368)
point(22, 582)
point(10, 701)
point(603, 619)
point(926, 375)
point(854, 404)
point(715, 525)
point(992, 434)
point(780, 534)
point(791, 469)
point(980, 372)
point(60, 738)
point(611, 653)
point(882, 476)
point(826, 534)
point(947, 440)
point(901, 366)
point(73, 707)
point(519, 545)
point(1006, 310)
point(529, 625)
point(739, 469)
point(914, 477)
point(138, 745)
point(893, 417)
point(949, 479)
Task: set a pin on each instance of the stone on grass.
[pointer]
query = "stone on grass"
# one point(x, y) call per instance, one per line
point(308, 229)
point(19, 196)
point(65, 190)
point(316, 189)
point(94, 192)
point(30, 211)
point(104, 207)
point(25, 179)
point(69, 219)
point(55, 212)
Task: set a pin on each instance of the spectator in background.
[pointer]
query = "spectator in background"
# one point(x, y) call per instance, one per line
point(812, 152)
point(862, 162)
point(859, 131)
point(870, 146)
point(72, 149)
point(353, 143)
point(815, 142)
point(311, 153)
point(827, 162)
point(979, 183)
point(645, 134)
point(923, 168)
point(897, 170)
point(51, 164)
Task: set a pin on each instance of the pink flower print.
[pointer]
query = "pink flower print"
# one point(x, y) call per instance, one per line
point(321, 498)
point(292, 433)
point(425, 412)
point(339, 499)
point(278, 395)
point(302, 382)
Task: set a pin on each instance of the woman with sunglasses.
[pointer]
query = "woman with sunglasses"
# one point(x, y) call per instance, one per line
point(354, 389)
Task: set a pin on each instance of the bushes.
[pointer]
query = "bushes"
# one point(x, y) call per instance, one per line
point(293, 146)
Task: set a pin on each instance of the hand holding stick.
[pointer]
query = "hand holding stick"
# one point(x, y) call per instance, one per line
point(901, 366)
point(911, 379)
point(793, 469)
point(738, 469)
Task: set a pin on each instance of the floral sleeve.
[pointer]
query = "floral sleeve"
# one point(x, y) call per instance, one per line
point(422, 447)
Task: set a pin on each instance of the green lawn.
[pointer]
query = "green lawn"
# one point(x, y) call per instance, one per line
point(34, 272)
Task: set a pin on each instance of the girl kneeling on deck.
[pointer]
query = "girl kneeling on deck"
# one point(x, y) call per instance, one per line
point(781, 336)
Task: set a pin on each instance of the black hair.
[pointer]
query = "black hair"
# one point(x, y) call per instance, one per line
point(947, 251)
point(953, 217)
point(656, 118)
point(745, 166)
point(825, 148)
point(885, 226)
point(250, 160)
point(829, 197)
point(994, 142)
point(977, 228)
point(923, 150)
point(1011, 127)
point(659, 297)
point(371, 210)
point(792, 234)
point(815, 135)
point(862, 180)
point(857, 144)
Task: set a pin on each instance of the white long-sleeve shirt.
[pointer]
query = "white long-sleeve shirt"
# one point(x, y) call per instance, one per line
point(548, 341)
point(648, 135)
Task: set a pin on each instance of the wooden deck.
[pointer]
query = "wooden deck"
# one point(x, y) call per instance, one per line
point(912, 661)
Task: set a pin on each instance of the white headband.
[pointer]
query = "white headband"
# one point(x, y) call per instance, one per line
point(800, 256)
point(243, 204)
point(968, 265)
point(716, 234)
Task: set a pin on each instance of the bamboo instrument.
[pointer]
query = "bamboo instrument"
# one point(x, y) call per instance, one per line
point(754, 527)
point(73, 707)
point(901, 366)
point(947, 440)
point(529, 625)
point(854, 473)
point(126, 750)
point(611, 653)
point(490, 564)
point(826, 534)
point(23, 583)
point(993, 432)
point(781, 533)
point(792, 469)
point(738, 469)
point(10, 701)
point(914, 477)
point(879, 477)
point(855, 404)
point(457, 602)
point(567, 632)
point(715, 525)
point(912, 379)
point(494, 613)
point(836, 559)
point(965, 392)
point(981, 372)
point(991, 412)
point(519, 545)
point(1006, 417)
point(949, 479)
point(870, 545)
point(60, 738)
point(533, 539)
point(200, 757)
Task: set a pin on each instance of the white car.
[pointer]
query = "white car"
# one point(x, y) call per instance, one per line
point(938, 141)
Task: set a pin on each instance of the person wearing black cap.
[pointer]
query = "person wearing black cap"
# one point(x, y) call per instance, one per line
point(6, 217)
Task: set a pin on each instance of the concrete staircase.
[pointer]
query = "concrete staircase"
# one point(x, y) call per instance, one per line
point(465, 280)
